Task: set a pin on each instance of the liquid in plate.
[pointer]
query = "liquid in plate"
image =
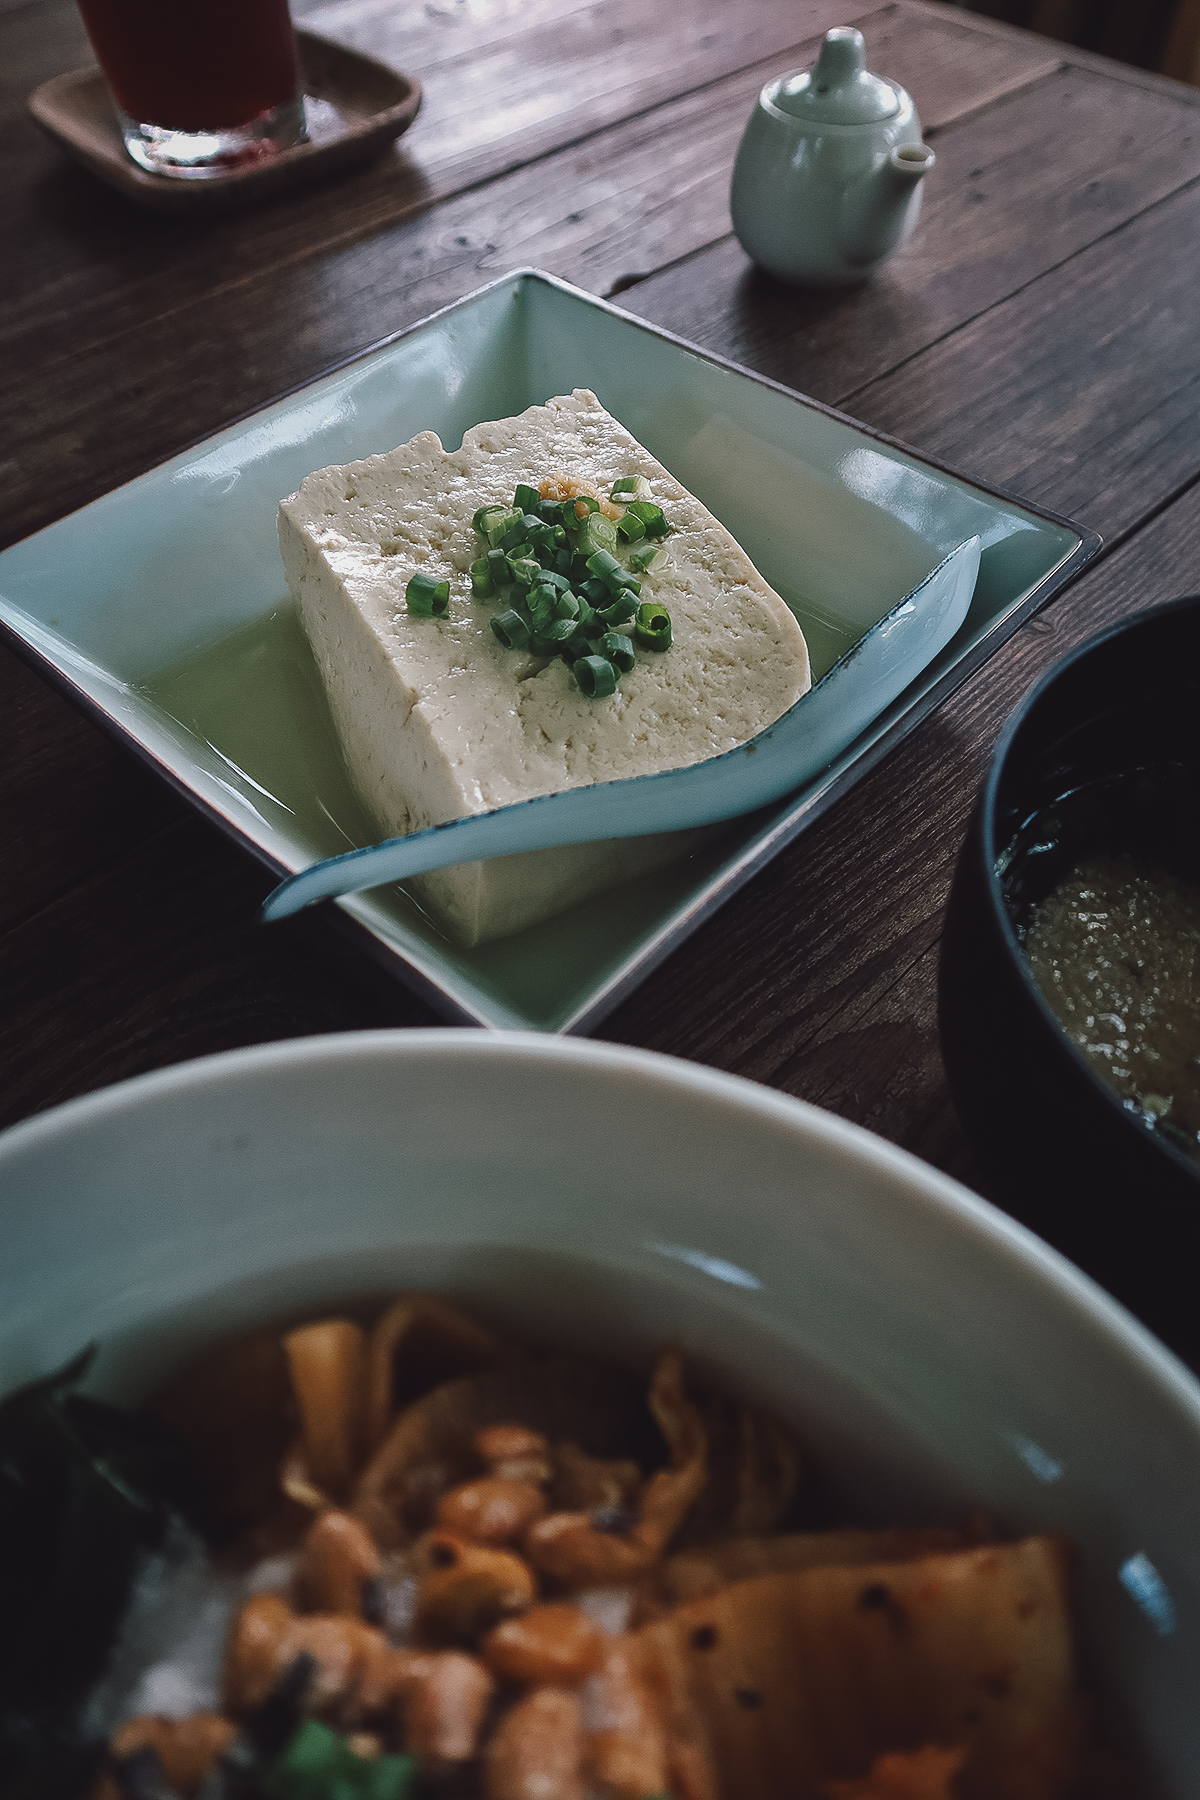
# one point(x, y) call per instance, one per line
point(257, 700)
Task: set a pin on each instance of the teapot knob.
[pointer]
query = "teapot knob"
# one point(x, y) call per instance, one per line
point(843, 56)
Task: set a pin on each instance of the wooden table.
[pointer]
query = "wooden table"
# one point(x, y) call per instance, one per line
point(1039, 332)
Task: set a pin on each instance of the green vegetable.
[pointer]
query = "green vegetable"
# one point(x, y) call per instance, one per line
point(319, 1765)
point(648, 557)
point(426, 597)
point(572, 590)
point(541, 609)
point(559, 631)
point(524, 569)
point(501, 523)
point(603, 566)
point(631, 487)
point(653, 627)
point(651, 516)
point(512, 630)
point(596, 676)
point(618, 649)
point(596, 533)
point(618, 611)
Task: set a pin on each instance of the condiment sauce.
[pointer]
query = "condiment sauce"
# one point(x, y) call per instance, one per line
point(1115, 949)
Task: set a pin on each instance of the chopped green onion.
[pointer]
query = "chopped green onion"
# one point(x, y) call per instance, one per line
point(649, 557)
point(596, 533)
point(596, 677)
point(632, 487)
point(653, 627)
point(551, 579)
point(426, 597)
point(585, 615)
point(630, 527)
point(318, 1764)
point(497, 562)
point(603, 566)
point(563, 558)
point(618, 649)
point(481, 577)
point(527, 498)
point(571, 513)
point(631, 582)
point(622, 607)
point(511, 629)
point(391, 1778)
point(516, 534)
point(501, 524)
point(486, 515)
point(567, 606)
point(651, 516)
point(525, 569)
point(597, 592)
point(558, 631)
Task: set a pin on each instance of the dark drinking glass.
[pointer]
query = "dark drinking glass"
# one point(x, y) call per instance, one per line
point(201, 86)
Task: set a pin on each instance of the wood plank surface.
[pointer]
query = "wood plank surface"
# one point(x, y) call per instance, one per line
point(634, 198)
point(504, 87)
point(1039, 331)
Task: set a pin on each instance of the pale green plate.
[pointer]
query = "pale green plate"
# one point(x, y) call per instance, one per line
point(161, 607)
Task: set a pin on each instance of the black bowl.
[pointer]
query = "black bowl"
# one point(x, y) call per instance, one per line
point(1119, 718)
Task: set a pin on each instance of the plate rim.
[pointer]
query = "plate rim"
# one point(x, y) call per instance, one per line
point(789, 821)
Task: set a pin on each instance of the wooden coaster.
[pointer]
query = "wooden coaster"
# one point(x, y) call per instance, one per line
point(355, 108)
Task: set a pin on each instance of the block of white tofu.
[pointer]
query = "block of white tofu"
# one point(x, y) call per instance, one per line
point(439, 721)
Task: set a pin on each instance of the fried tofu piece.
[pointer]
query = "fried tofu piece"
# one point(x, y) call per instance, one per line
point(691, 1574)
point(926, 1774)
point(792, 1680)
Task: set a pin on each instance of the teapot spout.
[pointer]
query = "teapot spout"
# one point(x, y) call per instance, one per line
point(880, 211)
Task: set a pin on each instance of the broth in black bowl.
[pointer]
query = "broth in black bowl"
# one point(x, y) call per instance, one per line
point(1067, 1005)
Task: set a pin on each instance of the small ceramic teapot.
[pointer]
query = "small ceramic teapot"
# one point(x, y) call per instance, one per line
point(827, 181)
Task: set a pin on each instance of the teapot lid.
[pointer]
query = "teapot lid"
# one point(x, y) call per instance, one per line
point(839, 90)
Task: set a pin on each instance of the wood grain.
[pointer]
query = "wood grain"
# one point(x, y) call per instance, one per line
point(641, 196)
point(164, 958)
point(1028, 282)
point(1041, 331)
point(503, 87)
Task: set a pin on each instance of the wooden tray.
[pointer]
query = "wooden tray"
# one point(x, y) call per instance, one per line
point(355, 105)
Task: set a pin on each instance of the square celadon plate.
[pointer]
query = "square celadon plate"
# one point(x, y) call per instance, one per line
point(162, 608)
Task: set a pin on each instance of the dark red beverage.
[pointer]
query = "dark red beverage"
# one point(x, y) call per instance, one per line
point(194, 65)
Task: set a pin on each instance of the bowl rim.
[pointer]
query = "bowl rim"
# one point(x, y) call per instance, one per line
point(1123, 1118)
point(1026, 1259)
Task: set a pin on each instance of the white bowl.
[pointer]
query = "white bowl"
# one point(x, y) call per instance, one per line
point(935, 1355)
